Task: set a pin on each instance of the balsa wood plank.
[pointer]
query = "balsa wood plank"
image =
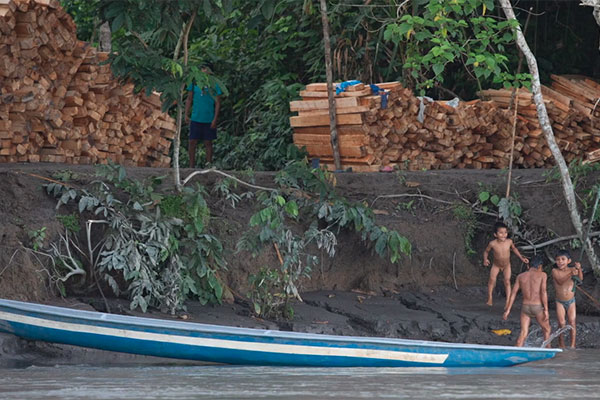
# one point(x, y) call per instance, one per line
point(300, 105)
point(323, 120)
point(338, 110)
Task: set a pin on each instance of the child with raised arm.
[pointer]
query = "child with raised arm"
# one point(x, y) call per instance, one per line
point(535, 299)
point(564, 286)
point(501, 246)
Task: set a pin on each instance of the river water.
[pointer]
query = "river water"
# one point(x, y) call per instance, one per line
point(572, 374)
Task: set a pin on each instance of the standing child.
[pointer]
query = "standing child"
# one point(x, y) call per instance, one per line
point(535, 299)
point(564, 286)
point(501, 246)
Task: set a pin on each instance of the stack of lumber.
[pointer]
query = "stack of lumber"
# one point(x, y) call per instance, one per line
point(409, 132)
point(59, 101)
point(571, 102)
point(420, 133)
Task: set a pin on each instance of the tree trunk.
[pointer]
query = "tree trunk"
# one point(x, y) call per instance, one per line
point(328, 71)
point(182, 42)
point(104, 38)
point(549, 135)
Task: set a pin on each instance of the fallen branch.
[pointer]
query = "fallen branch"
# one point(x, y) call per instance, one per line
point(424, 196)
point(589, 296)
point(556, 240)
point(216, 171)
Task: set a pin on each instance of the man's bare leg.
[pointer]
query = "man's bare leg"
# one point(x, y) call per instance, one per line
point(545, 324)
point(192, 152)
point(525, 321)
point(209, 150)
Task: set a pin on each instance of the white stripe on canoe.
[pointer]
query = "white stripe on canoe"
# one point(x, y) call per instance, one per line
point(227, 344)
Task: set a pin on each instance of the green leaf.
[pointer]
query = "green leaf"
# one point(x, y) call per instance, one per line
point(405, 245)
point(323, 211)
point(255, 220)
point(381, 245)
point(268, 8)
point(117, 22)
point(495, 199)
point(484, 196)
point(212, 281)
point(291, 208)
point(218, 290)
point(207, 8)
point(438, 68)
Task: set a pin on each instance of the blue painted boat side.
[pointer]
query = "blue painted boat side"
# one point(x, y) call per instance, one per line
point(241, 345)
point(208, 354)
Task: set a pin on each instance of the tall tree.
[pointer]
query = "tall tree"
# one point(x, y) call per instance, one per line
point(544, 120)
point(329, 73)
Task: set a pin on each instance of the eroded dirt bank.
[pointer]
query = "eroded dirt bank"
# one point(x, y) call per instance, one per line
point(438, 293)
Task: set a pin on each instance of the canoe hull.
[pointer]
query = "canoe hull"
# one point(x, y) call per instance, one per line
point(229, 345)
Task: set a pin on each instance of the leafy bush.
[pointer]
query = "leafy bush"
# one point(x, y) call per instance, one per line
point(444, 34)
point(70, 222)
point(37, 238)
point(161, 250)
point(307, 195)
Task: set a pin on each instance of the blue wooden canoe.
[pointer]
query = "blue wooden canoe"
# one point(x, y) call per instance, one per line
point(230, 345)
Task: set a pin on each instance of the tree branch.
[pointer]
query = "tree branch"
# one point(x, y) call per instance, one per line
point(216, 171)
point(556, 240)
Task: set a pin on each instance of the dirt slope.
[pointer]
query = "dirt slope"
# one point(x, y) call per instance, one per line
point(437, 293)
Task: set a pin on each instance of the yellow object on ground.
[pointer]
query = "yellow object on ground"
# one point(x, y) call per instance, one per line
point(502, 332)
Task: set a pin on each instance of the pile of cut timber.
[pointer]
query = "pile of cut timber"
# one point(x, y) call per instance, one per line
point(59, 101)
point(409, 132)
point(420, 133)
point(572, 104)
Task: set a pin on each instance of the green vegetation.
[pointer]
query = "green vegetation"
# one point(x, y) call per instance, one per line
point(266, 294)
point(455, 33)
point(37, 238)
point(579, 172)
point(467, 217)
point(70, 222)
point(487, 199)
point(163, 252)
point(307, 195)
point(158, 250)
point(160, 247)
point(265, 51)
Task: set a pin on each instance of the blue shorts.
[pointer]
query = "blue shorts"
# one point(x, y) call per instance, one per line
point(202, 131)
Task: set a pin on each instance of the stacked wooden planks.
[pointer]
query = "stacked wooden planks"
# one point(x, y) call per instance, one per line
point(573, 111)
point(420, 133)
point(59, 101)
point(409, 132)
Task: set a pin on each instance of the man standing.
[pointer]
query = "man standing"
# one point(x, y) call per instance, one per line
point(205, 114)
point(535, 299)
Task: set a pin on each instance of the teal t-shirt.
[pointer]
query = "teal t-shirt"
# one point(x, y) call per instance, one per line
point(203, 104)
